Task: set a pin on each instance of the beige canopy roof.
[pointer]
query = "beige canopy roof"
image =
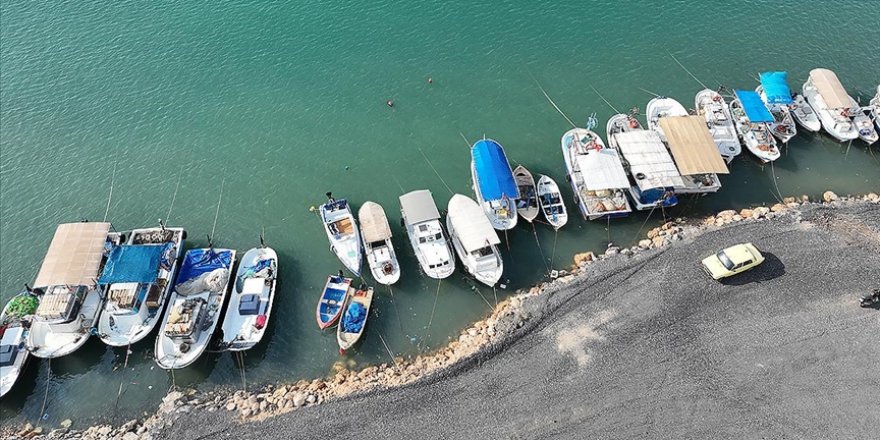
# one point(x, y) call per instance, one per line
point(830, 88)
point(471, 225)
point(74, 256)
point(374, 224)
point(692, 145)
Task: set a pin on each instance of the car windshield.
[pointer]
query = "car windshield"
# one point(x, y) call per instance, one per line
point(722, 257)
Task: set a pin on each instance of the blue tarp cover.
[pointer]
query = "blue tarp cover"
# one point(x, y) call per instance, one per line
point(755, 109)
point(493, 172)
point(776, 89)
point(200, 261)
point(354, 318)
point(133, 264)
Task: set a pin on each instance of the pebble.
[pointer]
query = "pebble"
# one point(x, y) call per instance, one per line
point(311, 398)
point(299, 399)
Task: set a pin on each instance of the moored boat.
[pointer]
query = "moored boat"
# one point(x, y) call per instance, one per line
point(527, 203)
point(376, 233)
point(474, 240)
point(652, 172)
point(695, 153)
point(332, 299)
point(343, 233)
point(620, 123)
point(863, 123)
point(751, 118)
point(831, 103)
point(422, 222)
point(354, 318)
point(494, 184)
point(14, 323)
point(596, 175)
point(550, 200)
point(661, 107)
point(251, 299)
point(804, 114)
point(875, 108)
point(776, 95)
point(194, 307)
point(712, 106)
point(137, 280)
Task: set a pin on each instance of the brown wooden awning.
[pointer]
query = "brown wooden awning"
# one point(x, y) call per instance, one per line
point(830, 88)
point(74, 256)
point(692, 145)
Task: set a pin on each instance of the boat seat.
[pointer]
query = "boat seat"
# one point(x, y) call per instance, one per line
point(7, 354)
point(249, 305)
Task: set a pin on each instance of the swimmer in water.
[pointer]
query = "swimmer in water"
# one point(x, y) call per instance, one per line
point(430, 80)
point(390, 103)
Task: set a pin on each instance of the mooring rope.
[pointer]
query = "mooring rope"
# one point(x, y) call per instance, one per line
point(603, 98)
point(110, 197)
point(553, 254)
point(644, 223)
point(495, 293)
point(685, 69)
point(122, 378)
point(239, 356)
point(217, 213)
point(396, 311)
point(390, 354)
point(554, 104)
point(48, 378)
point(431, 321)
point(775, 184)
point(435, 170)
point(541, 250)
point(174, 196)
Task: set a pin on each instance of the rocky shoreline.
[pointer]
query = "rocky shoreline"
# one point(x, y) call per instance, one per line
point(507, 318)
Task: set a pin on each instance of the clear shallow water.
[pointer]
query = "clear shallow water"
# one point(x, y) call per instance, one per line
point(277, 99)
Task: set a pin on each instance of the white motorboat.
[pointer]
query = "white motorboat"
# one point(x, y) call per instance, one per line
point(14, 323)
point(661, 107)
point(527, 203)
point(474, 239)
point(250, 302)
point(194, 307)
point(550, 199)
point(832, 104)
point(71, 300)
point(875, 108)
point(695, 153)
point(712, 106)
point(863, 123)
point(137, 280)
point(620, 123)
point(355, 311)
point(751, 117)
point(343, 233)
point(494, 184)
point(376, 233)
point(776, 95)
point(422, 222)
point(596, 175)
point(804, 114)
point(653, 174)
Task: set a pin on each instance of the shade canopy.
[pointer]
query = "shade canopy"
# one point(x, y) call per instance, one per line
point(754, 107)
point(776, 90)
point(418, 206)
point(74, 256)
point(829, 86)
point(492, 170)
point(470, 224)
point(649, 161)
point(134, 263)
point(601, 169)
point(692, 145)
point(374, 224)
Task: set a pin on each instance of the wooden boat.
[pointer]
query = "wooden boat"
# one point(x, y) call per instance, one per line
point(550, 200)
point(712, 106)
point(376, 233)
point(527, 203)
point(354, 320)
point(474, 239)
point(332, 298)
point(343, 233)
point(14, 323)
point(420, 217)
point(194, 307)
point(250, 302)
point(804, 114)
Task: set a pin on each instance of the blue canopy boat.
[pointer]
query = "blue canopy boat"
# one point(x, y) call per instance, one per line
point(751, 117)
point(776, 94)
point(494, 185)
point(332, 298)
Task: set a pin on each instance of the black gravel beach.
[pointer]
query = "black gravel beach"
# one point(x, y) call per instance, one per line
point(649, 347)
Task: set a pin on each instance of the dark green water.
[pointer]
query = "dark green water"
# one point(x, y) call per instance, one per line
point(278, 98)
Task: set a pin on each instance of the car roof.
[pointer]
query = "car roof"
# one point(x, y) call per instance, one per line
point(740, 253)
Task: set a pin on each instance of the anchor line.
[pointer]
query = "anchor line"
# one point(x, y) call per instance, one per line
point(217, 213)
point(122, 377)
point(554, 104)
point(603, 98)
point(174, 196)
point(396, 311)
point(644, 223)
point(48, 378)
point(649, 92)
point(433, 309)
point(685, 69)
point(112, 181)
point(553, 254)
point(435, 171)
point(775, 183)
point(540, 249)
point(390, 353)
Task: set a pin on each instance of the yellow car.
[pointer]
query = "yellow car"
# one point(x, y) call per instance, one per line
point(733, 260)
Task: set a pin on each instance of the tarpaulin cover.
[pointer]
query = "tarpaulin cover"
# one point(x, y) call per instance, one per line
point(493, 171)
point(354, 317)
point(133, 264)
point(754, 107)
point(776, 88)
point(201, 261)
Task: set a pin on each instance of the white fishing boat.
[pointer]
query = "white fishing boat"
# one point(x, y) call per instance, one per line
point(250, 302)
point(14, 323)
point(494, 184)
point(863, 123)
point(137, 280)
point(550, 199)
point(831, 103)
point(695, 153)
point(343, 233)
point(474, 239)
point(620, 123)
point(661, 107)
point(776, 95)
point(804, 114)
point(356, 310)
point(653, 175)
point(71, 300)
point(379, 250)
point(421, 220)
point(875, 108)
point(751, 118)
point(194, 307)
point(596, 175)
point(527, 203)
point(712, 106)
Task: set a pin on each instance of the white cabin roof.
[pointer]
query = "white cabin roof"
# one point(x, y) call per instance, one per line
point(602, 170)
point(647, 156)
point(470, 223)
point(418, 206)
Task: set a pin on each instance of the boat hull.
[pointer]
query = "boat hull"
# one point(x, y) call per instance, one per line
point(712, 106)
point(50, 341)
point(488, 277)
point(835, 124)
point(243, 331)
point(16, 335)
point(501, 213)
point(804, 115)
point(343, 234)
point(551, 203)
point(332, 300)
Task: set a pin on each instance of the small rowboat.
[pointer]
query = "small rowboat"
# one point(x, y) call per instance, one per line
point(804, 115)
point(551, 202)
point(527, 203)
point(357, 310)
point(332, 298)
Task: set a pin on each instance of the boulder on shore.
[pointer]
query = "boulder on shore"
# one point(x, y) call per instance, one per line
point(829, 196)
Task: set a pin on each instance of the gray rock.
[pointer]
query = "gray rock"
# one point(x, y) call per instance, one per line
point(66, 423)
point(299, 399)
point(230, 406)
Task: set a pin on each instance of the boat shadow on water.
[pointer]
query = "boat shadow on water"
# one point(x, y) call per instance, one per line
point(770, 269)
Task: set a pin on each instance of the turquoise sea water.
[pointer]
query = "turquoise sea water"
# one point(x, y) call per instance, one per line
point(279, 102)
